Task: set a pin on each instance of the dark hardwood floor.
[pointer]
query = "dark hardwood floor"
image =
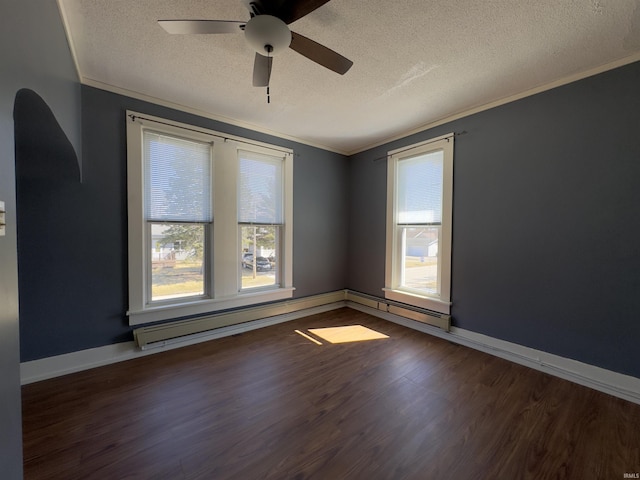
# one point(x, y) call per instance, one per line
point(271, 404)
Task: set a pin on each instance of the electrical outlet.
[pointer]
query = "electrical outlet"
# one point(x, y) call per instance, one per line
point(2, 219)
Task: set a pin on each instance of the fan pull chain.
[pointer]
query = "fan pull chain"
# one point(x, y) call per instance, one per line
point(269, 49)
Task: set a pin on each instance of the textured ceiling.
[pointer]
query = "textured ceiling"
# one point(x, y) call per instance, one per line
point(416, 62)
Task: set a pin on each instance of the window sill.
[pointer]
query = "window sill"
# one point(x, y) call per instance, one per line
point(165, 312)
point(429, 303)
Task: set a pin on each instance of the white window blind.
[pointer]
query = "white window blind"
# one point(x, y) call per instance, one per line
point(177, 178)
point(420, 189)
point(260, 192)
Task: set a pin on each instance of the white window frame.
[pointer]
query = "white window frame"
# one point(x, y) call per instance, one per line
point(224, 254)
point(393, 290)
point(278, 228)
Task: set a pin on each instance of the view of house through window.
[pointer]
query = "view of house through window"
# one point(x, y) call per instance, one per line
point(420, 258)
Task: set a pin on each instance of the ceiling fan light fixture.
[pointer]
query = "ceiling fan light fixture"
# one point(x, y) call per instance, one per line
point(267, 35)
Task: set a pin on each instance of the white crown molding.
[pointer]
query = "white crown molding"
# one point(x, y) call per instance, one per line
point(480, 108)
point(70, 42)
point(450, 118)
point(503, 101)
point(201, 113)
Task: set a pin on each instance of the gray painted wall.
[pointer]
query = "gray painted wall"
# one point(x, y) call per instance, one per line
point(545, 201)
point(545, 220)
point(43, 63)
point(86, 307)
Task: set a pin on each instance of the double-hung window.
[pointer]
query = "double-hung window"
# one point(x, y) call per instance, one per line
point(260, 218)
point(210, 220)
point(419, 216)
point(177, 215)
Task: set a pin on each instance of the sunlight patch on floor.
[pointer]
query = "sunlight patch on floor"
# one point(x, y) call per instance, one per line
point(348, 333)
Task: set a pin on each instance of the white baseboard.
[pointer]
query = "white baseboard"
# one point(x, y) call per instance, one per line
point(612, 383)
point(50, 367)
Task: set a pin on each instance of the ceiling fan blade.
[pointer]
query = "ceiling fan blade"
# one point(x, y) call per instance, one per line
point(292, 10)
point(320, 54)
point(262, 70)
point(201, 26)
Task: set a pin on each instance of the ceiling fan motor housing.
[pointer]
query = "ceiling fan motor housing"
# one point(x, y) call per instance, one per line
point(267, 35)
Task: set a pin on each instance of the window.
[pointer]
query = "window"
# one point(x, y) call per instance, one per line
point(260, 218)
point(209, 220)
point(419, 201)
point(177, 214)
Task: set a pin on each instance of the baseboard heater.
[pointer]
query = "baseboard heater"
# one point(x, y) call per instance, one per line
point(420, 315)
point(172, 332)
point(182, 330)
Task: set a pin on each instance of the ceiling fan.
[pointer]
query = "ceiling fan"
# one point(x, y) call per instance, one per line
point(268, 34)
